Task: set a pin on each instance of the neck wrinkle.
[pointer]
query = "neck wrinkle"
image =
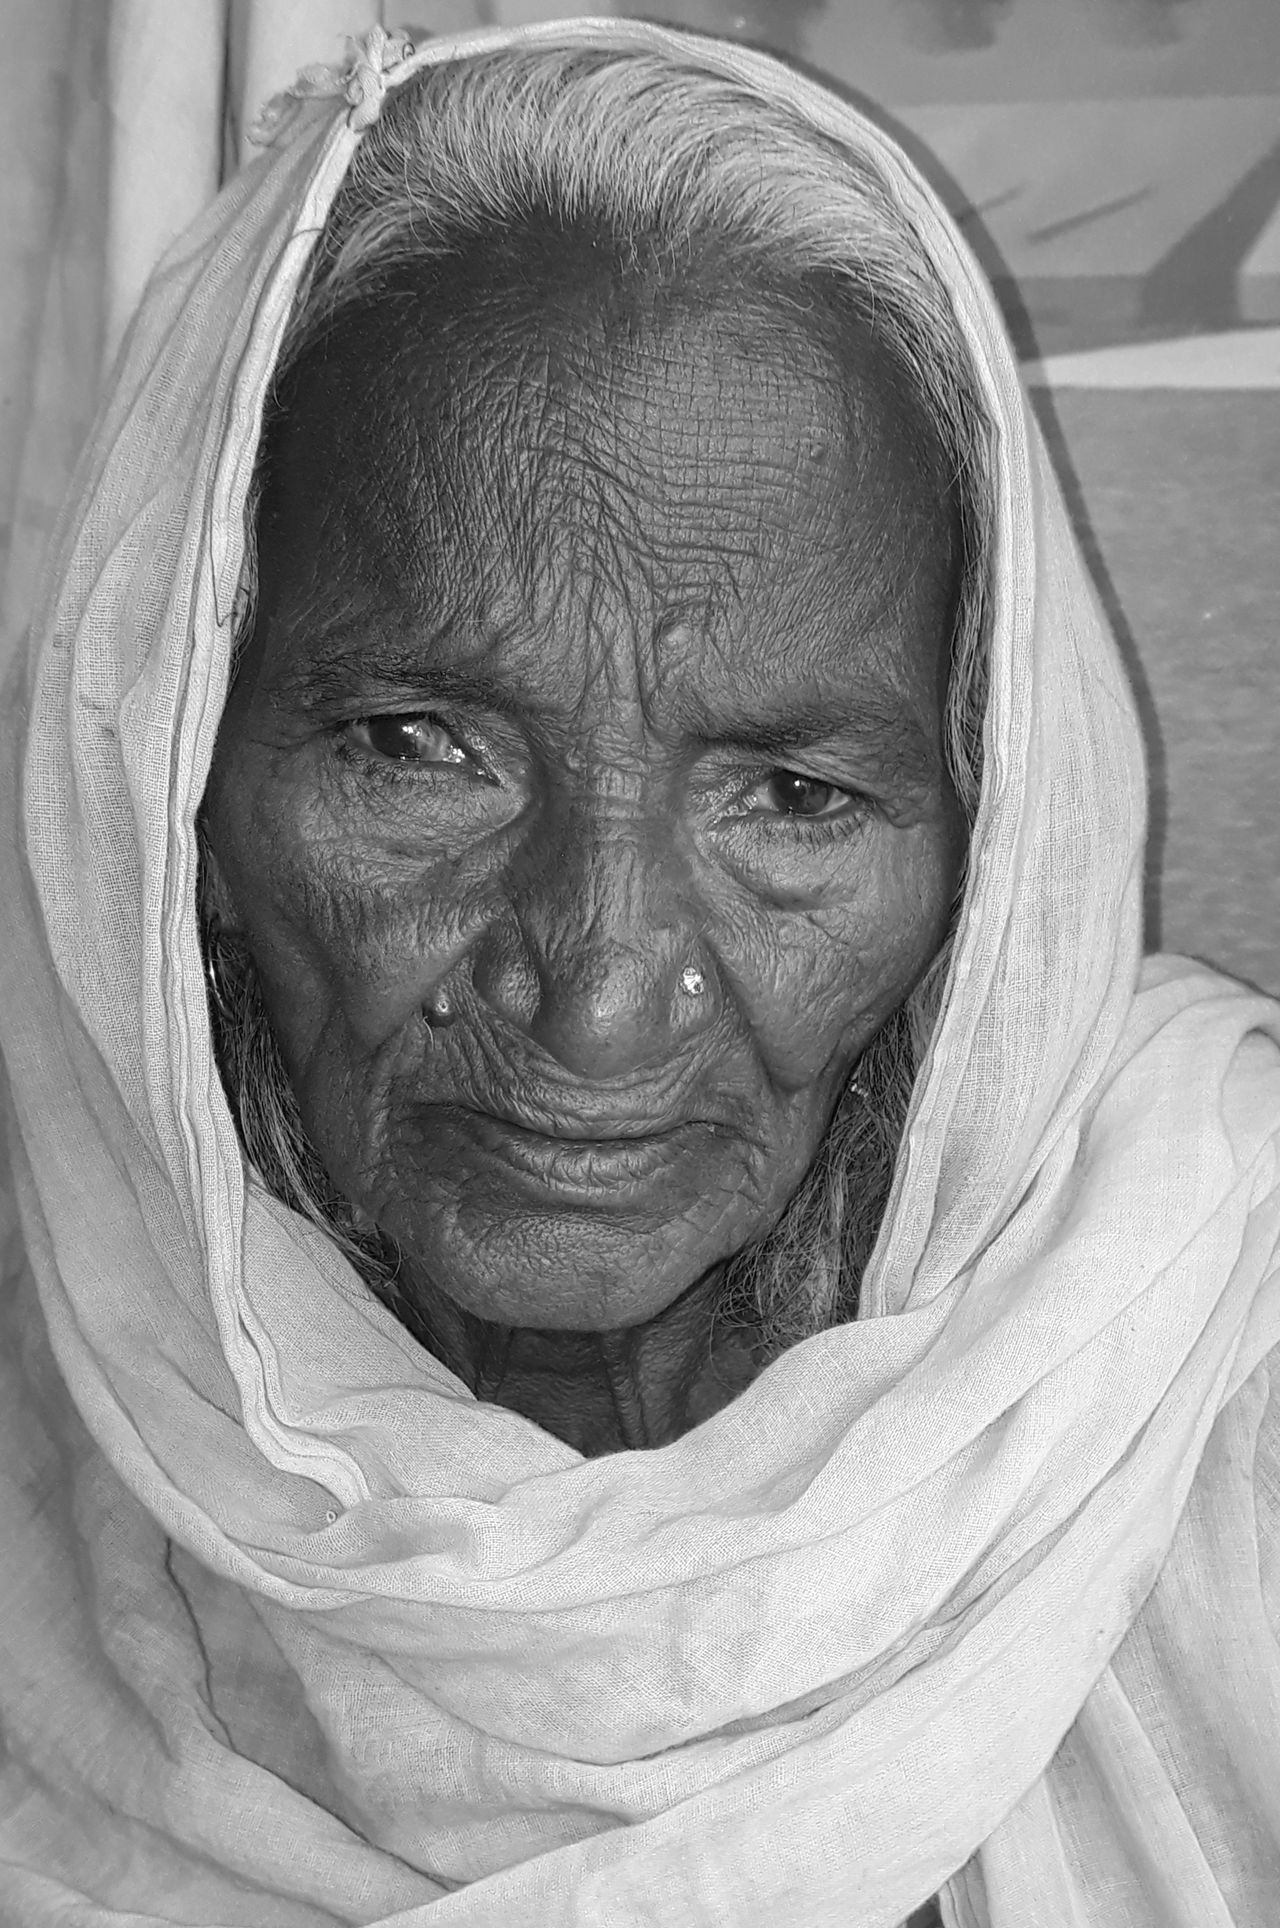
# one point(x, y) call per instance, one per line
point(627, 1389)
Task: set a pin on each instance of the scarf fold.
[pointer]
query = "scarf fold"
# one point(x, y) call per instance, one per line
point(294, 1630)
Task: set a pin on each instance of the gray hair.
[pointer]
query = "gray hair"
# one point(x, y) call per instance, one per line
point(676, 166)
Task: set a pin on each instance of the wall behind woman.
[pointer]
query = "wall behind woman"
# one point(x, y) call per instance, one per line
point(1117, 163)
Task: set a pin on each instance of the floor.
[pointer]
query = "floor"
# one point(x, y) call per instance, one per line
point(1177, 493)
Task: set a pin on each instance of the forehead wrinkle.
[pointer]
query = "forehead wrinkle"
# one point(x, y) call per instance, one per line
point(498, 507)
point(579, 420)
point(568, 546)
point(421, 509)
point(586, 527)
point(518, 502)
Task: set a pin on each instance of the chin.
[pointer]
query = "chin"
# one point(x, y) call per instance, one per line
point(561, 1270)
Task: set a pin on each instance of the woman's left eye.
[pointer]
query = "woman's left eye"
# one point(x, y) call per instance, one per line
point(788, 793)
point(414, 737)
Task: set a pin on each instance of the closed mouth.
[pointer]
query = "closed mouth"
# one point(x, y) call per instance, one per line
point(577, 1159)
point(617, 1133)
point(569, 1124)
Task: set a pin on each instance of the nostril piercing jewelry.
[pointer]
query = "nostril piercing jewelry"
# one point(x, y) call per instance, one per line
point(439, 1008)
point(692, 982)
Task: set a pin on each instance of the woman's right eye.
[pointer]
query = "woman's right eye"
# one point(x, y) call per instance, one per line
point(409, 737)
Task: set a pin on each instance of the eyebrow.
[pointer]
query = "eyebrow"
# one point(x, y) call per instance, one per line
point(895, 739)
point(346, 664)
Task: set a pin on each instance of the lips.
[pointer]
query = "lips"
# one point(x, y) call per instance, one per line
point(595, 1161)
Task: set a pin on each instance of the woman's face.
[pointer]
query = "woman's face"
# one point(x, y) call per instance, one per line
point(581, 795)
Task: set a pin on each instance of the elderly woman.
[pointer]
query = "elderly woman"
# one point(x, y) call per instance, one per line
point(627, 1304)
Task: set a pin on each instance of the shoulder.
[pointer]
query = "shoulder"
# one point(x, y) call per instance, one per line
point(1208, 1636)
point(1211, 1043)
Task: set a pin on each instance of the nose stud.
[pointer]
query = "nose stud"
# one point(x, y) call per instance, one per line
point(692, 982)
point(439, 1009)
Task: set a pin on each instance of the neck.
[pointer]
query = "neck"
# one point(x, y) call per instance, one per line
point(601, 1392)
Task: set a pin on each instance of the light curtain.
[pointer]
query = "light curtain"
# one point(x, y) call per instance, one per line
point(120, 120)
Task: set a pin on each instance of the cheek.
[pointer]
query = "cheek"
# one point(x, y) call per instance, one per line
point(816, 985)
point(348, 937)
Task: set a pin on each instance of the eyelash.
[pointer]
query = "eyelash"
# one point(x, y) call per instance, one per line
point(826, 830)
point(816, 832)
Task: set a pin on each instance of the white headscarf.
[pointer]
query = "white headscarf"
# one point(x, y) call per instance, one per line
point(295, 1631)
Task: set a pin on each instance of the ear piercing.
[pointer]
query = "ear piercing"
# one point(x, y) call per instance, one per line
point(692, 982)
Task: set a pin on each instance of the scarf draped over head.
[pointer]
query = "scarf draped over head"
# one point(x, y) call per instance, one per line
point(293, 1630)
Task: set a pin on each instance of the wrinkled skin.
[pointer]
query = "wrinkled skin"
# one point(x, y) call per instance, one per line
point(598, 637)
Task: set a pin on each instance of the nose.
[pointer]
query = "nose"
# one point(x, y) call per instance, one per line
point(598, 959)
